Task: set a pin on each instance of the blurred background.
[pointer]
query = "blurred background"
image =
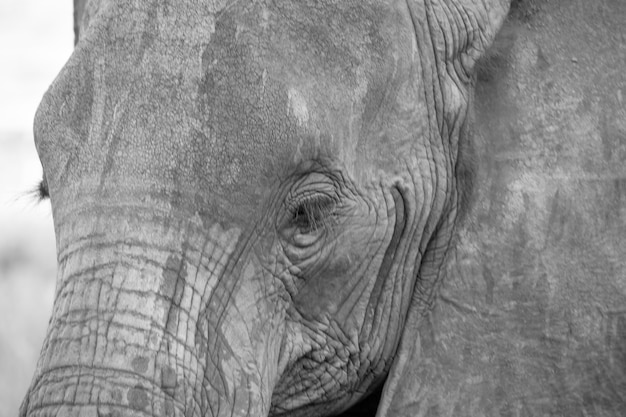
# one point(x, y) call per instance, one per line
point(36, 38)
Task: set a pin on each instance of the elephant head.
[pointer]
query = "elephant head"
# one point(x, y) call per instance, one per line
point(253, 202)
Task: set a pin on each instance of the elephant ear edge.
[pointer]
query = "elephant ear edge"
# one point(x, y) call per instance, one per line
point(466, 27)
point(461, 31)
point(488, 17)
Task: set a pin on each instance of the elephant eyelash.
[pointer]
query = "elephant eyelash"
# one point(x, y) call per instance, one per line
point(40, 192)
point(313, 212)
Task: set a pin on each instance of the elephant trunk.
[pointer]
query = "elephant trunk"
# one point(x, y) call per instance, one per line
point(163, 329)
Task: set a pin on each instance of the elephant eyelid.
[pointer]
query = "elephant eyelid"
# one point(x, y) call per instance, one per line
point(312, 212)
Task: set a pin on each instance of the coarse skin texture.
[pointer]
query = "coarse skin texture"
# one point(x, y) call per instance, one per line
point(531, 317)
point(253, 202)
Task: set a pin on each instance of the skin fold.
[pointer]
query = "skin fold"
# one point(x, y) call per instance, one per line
point(253, 201)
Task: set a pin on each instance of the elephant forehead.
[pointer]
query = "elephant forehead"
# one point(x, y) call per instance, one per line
point(223, 97)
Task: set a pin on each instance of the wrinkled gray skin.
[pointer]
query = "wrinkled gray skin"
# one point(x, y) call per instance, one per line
point(531, 315)
point(252, 200)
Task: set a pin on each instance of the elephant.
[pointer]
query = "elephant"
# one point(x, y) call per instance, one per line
point(324, 207)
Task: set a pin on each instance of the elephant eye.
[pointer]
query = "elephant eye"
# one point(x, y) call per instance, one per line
point(312, 213)
point(309, 218)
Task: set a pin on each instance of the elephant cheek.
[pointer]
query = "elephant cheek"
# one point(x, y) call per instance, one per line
point(251, 336)
point(184, 331)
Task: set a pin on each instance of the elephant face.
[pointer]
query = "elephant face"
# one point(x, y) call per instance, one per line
point(249, 199)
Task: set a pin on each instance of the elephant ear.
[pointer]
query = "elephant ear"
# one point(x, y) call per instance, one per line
point(420, 382)
point(530, 317)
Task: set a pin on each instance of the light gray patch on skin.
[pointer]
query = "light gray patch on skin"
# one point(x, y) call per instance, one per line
point(298, 106)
